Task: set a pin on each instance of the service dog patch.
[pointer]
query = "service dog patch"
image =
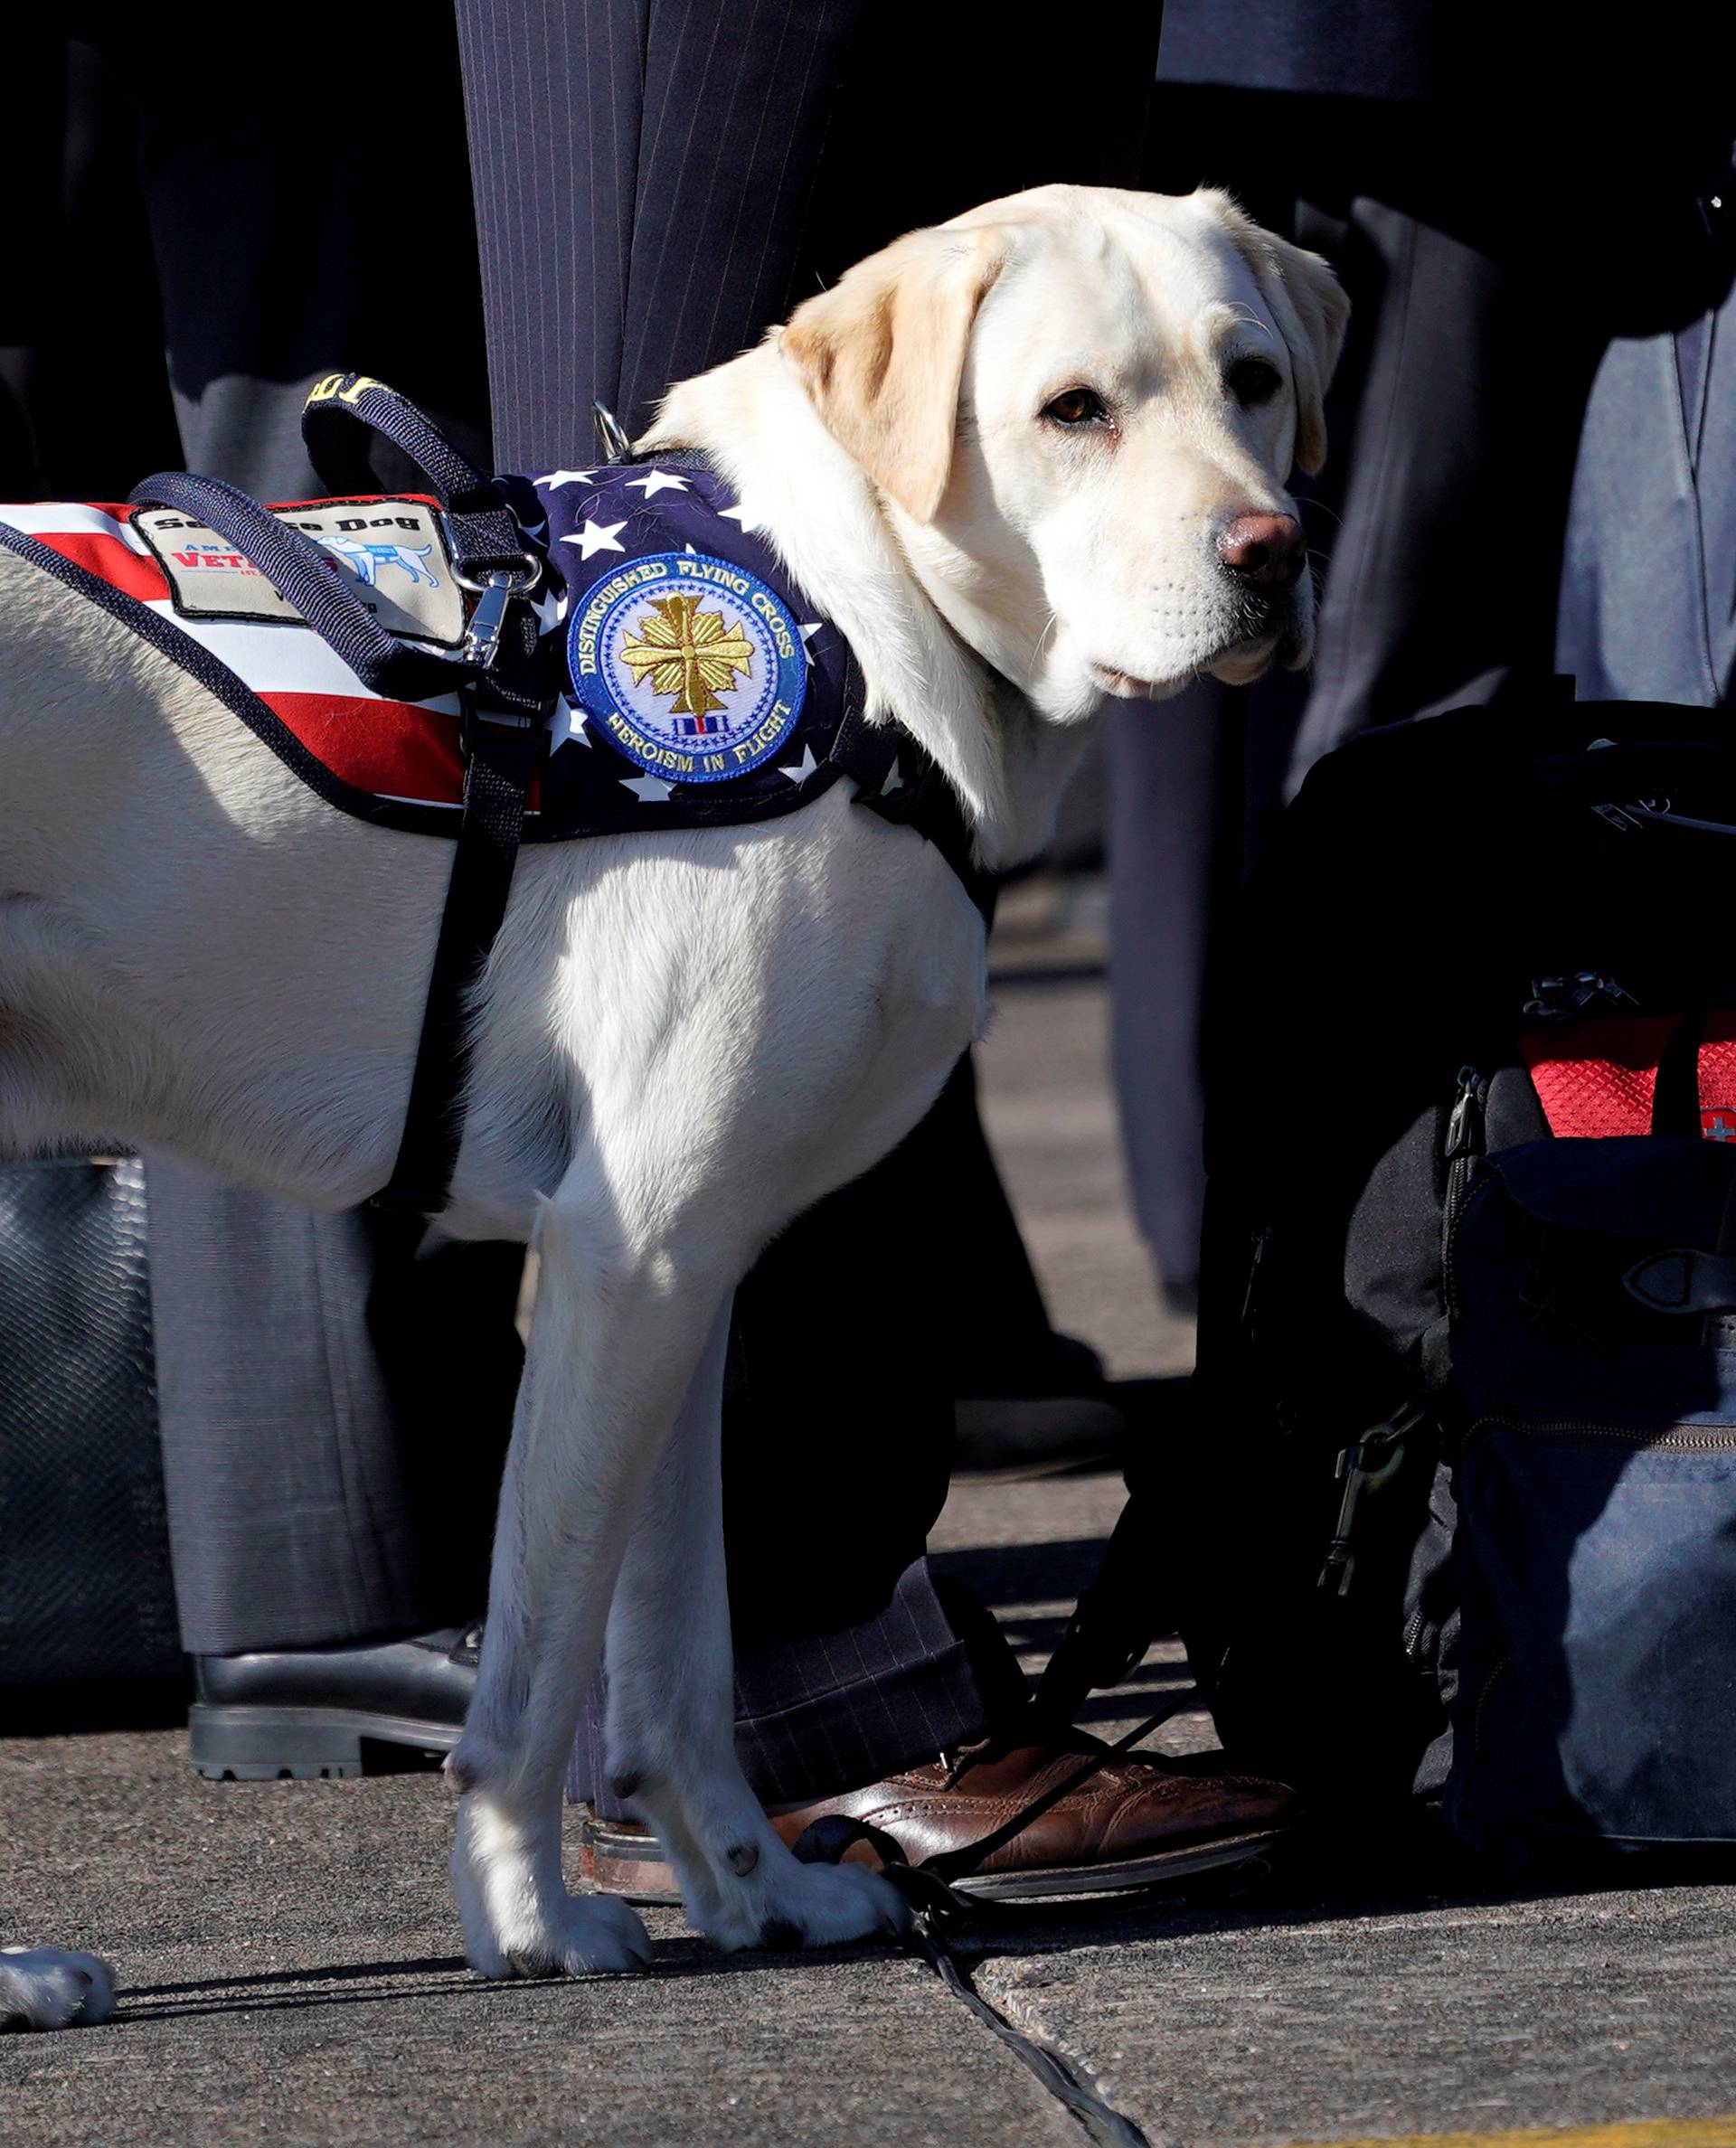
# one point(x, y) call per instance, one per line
point(393, 552)
point(689, 666)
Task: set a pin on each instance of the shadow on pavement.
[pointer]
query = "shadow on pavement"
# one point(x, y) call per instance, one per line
point(293, 1989)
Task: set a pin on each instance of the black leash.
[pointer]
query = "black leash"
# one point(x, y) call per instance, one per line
point(502, 752)
point(927, 1887)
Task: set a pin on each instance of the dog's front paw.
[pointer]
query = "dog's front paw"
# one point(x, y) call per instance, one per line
point(785, 1904)
point(46, 1987)
point(518, 1920)
point(580, 1936)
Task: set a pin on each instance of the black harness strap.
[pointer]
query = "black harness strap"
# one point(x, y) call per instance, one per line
point(504, 734)
point(503, 748)
point(338, 420)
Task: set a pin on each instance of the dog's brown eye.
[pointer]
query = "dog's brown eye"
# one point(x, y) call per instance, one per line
point(1251, 381)
point(1078, 406)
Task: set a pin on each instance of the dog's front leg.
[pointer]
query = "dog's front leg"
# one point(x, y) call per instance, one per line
point(671, 1724)
point(619, 1327)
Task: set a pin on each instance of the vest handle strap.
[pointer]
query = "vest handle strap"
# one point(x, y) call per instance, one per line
point(342, 414)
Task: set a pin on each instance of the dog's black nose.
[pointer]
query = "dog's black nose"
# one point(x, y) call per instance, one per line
point(1267, 550)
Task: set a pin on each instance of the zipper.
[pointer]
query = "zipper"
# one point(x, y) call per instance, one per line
point(1489, 1683)
point(1261, 1239)
point(1562, 999)
point(1686, 1438)
point(1466, 1136)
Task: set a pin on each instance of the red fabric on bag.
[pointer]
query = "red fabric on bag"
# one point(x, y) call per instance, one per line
point(1718, 1076)
point(1598, 1079)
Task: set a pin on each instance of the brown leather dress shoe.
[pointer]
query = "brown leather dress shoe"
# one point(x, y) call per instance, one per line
point(1134, 1823)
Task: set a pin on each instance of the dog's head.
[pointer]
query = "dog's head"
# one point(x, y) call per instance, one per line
point(1082, 407)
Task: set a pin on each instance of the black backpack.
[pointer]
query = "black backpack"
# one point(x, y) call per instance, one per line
point(1456, 1506)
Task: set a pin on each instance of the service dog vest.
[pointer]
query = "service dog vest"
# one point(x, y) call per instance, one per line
point(499, 660)
point(691, 683)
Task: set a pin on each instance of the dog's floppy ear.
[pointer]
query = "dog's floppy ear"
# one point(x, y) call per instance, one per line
point(882, 354)
point(1309, 310)
point(1312, 311)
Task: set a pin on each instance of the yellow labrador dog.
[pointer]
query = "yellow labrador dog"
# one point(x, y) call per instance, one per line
point(1027, 460)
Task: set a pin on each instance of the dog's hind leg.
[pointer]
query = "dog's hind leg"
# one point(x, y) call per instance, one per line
point(672, 1709)
point(619, 1329)
point(46, 1987)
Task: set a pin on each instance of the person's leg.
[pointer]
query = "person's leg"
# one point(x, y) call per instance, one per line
point(642, 174)
point(330, 1461)
point(341, 235)
point(1440, 364)
point(1648, 582)
point(1166, 763)
point(311, 1502)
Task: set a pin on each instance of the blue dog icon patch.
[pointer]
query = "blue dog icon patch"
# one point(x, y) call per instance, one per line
point(366, 562)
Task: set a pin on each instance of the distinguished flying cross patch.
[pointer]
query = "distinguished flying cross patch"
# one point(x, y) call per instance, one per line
point(690, 665)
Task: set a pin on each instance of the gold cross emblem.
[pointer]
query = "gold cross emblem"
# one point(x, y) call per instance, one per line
point(692, 654)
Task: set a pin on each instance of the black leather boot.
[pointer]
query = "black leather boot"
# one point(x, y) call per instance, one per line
point(306, 1711)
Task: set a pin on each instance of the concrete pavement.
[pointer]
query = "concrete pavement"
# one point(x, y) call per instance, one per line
point(289, 1962)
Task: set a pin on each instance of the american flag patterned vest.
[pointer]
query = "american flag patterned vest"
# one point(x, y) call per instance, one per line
point(690, 682)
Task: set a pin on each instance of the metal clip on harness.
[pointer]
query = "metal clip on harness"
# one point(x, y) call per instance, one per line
point(496, 589)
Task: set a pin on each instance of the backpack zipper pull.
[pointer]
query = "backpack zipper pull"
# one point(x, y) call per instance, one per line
point(1263, 1238)
point(1373, 1461)
point(1465, 1128)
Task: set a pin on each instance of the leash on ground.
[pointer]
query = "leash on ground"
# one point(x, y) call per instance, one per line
point(939, 1912)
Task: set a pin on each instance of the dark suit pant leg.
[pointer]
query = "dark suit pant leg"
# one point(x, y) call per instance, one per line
point(1438, 591)
point(334, 1415)
point(1165, 764)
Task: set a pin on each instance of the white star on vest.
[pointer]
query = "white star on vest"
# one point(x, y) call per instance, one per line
point(649, 790)
point(557, 479)
point(566, 727)
point(549, 609)
point(810, 631)
point(739, 514)
point(809, 766)
point(597, 537)
point(658, 481)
